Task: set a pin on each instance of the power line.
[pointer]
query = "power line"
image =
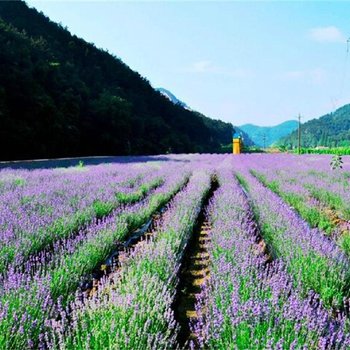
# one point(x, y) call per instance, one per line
point(299, 134)
point(343, 75)
point(264, 140)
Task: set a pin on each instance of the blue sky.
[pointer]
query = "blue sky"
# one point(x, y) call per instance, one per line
point(242, 62)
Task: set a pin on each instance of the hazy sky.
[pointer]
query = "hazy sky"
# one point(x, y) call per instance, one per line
point(257, 62)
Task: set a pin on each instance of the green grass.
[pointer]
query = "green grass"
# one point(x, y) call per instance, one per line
point(312, 215)
point(244, 286)
point(332, 200)
point(64, 277)
point(242, 181)
point(310, 270)
point(145, 289)
point(341, 151)
point(63, 227)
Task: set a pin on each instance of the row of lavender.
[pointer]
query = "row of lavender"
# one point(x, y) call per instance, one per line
point(298, 300)
point(320, 195)
point(315, 261)
point(33, 295)
point(133, 308)
point(310, 176)
point(250, 303)
point(36, 213)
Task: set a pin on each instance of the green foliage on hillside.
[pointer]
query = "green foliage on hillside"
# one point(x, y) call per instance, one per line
point(271, 133)
point(61, 96)
point(331, 130)
point(220, 131)
point(341, 151)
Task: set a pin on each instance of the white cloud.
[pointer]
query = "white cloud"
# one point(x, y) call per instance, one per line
point(329, 34)
point(293, 75)
point(316, 76)
point(206, 66)
point(240, 73)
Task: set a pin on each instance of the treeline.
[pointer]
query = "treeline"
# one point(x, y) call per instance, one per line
point(340, 151)
point(331, 130)
point(61, 96)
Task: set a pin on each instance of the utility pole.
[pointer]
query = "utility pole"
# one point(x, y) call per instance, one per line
point(264, 140)
point(299, 134)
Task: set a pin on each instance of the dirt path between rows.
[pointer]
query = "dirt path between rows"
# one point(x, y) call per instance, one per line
point(194, 273)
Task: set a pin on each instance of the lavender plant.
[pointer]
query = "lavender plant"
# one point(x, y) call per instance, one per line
point(283, 286)
point(133, 310)
point(250, 303)
point(55, 283)
point(315, 262)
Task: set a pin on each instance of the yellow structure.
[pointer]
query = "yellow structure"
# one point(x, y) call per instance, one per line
point(236, 144)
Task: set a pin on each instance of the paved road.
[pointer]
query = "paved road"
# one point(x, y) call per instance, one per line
point(66, 162)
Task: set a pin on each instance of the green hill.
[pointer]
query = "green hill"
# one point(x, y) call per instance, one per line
point(271, 133)
point(61, 96)
point(330, 130)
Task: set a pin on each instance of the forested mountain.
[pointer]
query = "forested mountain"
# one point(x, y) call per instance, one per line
point(214, 124)
point(331, 130)
point(270, 133)
point(61, 96)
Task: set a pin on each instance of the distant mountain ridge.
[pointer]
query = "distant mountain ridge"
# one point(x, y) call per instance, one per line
point(271, 133)
point(330, 130)
point(208, 121)
point(171, 97)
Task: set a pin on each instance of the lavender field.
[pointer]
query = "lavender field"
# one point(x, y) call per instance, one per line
point(177, 252)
